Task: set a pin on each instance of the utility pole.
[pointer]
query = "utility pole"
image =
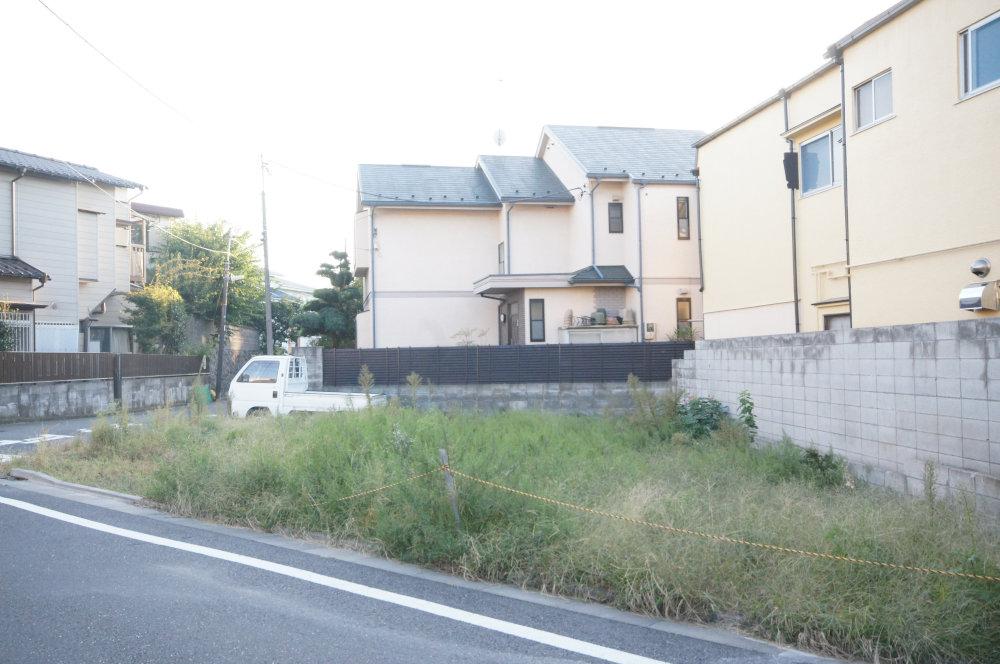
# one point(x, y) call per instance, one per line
point(222, 318)
point(269, 329)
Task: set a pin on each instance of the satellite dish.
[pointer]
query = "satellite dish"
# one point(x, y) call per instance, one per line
point(499, 137)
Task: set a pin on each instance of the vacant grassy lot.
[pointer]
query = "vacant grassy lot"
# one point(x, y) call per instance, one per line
point(291, 474)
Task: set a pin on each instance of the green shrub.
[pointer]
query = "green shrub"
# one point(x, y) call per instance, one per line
point(700, 416)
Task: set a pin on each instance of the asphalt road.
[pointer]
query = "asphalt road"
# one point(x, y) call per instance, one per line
point(88, 578)
point(22, 437)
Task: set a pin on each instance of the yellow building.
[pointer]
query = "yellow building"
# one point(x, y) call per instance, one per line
point(895, 146)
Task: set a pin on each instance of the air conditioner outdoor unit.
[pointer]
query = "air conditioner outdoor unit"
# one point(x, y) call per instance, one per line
point(650, 331)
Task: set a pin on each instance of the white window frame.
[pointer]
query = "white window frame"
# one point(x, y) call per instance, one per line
point(835, 181)
point(857, 102)
point(966, 61)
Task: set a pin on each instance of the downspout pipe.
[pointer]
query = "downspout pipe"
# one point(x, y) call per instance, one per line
point(642, 310)
point(371, 273)
point(795, 244)
point(510, 206)
point(847, 224)
point(13, 212)
point(593, 225)
point(696, 172)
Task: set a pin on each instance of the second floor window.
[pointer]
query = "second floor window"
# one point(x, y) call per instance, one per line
point(980, 52)
point(616, 219)
point(501, 259)
point(822, 161)
point(683, 219)
point(873, 100)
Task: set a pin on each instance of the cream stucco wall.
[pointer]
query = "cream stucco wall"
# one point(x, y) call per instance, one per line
point(425, 264)
point(539, 239)
point(746, 228)
point(927, 179)
point(923, 199)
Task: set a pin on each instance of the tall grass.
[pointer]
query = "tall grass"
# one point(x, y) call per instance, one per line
point(291, 473)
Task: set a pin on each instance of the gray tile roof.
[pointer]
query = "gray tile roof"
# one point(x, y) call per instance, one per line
point(36, 165)
point(15, 268)
point(425, 186)
point(665, 155)
point(602, 274)
point(519, 178)
point(157, 210)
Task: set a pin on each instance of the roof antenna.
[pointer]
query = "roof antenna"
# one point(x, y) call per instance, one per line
point(499, 136)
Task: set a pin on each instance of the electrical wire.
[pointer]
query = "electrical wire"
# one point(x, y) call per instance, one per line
point(112, 62)
point(148, 220)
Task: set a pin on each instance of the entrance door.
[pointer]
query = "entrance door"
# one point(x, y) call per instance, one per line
point(100, 340)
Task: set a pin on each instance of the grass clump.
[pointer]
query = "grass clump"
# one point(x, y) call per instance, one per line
point(290, 474)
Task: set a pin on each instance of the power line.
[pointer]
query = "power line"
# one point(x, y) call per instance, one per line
point(112, 62)
point(148, 220)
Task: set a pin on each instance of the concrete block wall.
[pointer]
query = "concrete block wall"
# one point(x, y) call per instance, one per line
point(889, 399)
point(60, 399)
point(574, 398)
point(158, 391)
point(313, 357)
point(54, 399)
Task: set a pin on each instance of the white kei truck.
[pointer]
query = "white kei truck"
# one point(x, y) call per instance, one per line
point(278, 385)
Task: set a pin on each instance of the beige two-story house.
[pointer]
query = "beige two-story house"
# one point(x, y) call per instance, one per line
point(861, 194)
point(591, 240)
point(68, 254)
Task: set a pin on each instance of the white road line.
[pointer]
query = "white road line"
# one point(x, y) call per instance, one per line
point(494, 624)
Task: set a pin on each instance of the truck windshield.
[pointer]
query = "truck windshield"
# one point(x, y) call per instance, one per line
point(261, 371)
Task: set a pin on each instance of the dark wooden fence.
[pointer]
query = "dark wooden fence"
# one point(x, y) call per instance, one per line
point(134, 365)
point(36, 367)
point(463, 365)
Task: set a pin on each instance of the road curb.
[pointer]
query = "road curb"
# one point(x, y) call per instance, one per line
point(34, 475)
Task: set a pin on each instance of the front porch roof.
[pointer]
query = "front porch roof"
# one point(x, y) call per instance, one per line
point(602, 274)
point(592, 275)
point(499, 284)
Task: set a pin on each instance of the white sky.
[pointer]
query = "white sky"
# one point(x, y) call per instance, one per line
point(323, 86)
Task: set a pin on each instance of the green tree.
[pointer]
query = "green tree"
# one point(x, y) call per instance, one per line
point(158, 317)
point(6, 333)
point(331, 313)
point(196, 273)
point(283, 323)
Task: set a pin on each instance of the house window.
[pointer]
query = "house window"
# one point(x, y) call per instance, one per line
point(136, 232)
point(980, 54)
point(683, 219)
point(822, 161)
point(837, 322)
point(501, 259)
point(616, 223)
point(873, 100)
point(536, 313)
point(683, 316)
